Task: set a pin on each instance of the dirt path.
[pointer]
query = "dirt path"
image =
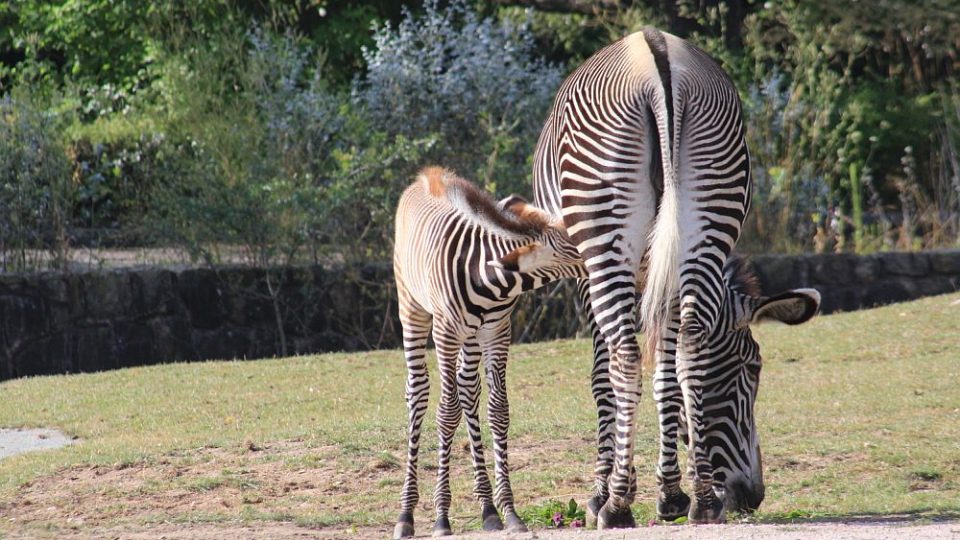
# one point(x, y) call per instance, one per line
point(876, 530)
point(250, 492)
point(834, 531)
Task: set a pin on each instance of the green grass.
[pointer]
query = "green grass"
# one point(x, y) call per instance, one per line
point(859, 415)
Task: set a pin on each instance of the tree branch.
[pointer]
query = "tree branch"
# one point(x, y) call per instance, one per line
point(588, 7)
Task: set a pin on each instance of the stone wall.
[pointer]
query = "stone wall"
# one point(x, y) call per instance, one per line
point(67, 323)
point(849, 282)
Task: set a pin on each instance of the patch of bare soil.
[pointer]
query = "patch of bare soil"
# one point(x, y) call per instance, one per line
point(284, 489)
point(287, 490)
point(203, 493)
point(879, 530)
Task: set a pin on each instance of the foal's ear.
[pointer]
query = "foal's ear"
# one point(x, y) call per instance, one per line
point(792, 307)
point(525, 258)
point(512, 203)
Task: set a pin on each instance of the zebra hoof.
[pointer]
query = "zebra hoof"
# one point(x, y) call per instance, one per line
point(594, 504)
point(708, 511)
point(442, 527)
point(611, 517)
point(673, 506)
point(404, 528)
point(491, 519)
point(514, 523)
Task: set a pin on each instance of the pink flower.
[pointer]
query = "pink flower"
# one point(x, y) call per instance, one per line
point(558, 520)
point(576, 524)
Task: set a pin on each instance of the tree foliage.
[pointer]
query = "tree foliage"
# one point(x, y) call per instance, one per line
point(288, 127)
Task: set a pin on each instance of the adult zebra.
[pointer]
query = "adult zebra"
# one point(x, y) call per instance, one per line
point(460, 262)
point(644, 152)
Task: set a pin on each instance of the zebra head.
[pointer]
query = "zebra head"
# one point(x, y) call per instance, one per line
point(731, 434)
point(548, 254)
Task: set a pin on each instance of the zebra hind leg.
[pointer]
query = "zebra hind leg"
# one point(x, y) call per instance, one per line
point(415, 330)
point(498, 410)
point(468, 383)
point(625, 369)
point(606, 409)
point(695, 318)
point(672, 502)
point(448, 419)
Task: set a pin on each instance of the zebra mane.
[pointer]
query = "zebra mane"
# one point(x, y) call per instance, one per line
point(512, 217)
point(739, 274)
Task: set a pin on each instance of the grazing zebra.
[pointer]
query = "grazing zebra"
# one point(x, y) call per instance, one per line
point(731, 371)
point(644, 152)
point(460, 261)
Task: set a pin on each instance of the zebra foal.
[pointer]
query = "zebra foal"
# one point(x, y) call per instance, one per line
point(461, 260)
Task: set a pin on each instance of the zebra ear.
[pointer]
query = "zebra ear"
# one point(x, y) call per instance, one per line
point(792, 307)
point(524, 258)
point(513, 203)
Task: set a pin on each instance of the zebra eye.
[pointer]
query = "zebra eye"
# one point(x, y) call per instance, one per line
point(754, 368)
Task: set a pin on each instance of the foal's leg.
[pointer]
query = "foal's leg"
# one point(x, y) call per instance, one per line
point(416, 327)
point(495, 348)
point(448, 346)
point(468, 383)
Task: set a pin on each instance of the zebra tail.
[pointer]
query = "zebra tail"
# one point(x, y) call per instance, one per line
point(662, 280)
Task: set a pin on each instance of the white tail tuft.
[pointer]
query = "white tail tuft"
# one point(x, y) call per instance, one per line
point(662, 280)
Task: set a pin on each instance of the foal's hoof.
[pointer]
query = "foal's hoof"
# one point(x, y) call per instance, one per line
point(594, 504)
point(491, 519)
point(442, 527)
point(514, 523)
point(708, 511)
point(404, 528)
point(673, 506)
point(611, 517)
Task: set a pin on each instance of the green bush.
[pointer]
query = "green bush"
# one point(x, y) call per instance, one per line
point(35, 193)
point(270, 160)
point(475, 82)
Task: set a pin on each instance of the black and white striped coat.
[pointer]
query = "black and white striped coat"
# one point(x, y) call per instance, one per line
point(644, 154)
point(461, 261)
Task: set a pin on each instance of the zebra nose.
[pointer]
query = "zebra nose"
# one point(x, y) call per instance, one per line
point(745, 497)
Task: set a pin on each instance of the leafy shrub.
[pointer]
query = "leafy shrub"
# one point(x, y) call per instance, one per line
point(475, 82)
point(827, 135)
point(272, 160)
point(35, 191)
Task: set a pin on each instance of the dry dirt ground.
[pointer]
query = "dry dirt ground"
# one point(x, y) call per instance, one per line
point(877, 530)
point(210, 493)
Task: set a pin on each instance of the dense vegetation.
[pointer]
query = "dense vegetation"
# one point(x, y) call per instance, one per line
point(274, 131)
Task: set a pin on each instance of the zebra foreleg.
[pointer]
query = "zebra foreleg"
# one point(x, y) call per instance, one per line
point(415, 331)
point(498, 410)
point(448, 419)
point(468, 383)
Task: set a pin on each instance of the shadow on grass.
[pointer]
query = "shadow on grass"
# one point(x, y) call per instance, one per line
point(799, 517)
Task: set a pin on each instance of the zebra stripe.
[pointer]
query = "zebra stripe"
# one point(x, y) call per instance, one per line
point(460, 263)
